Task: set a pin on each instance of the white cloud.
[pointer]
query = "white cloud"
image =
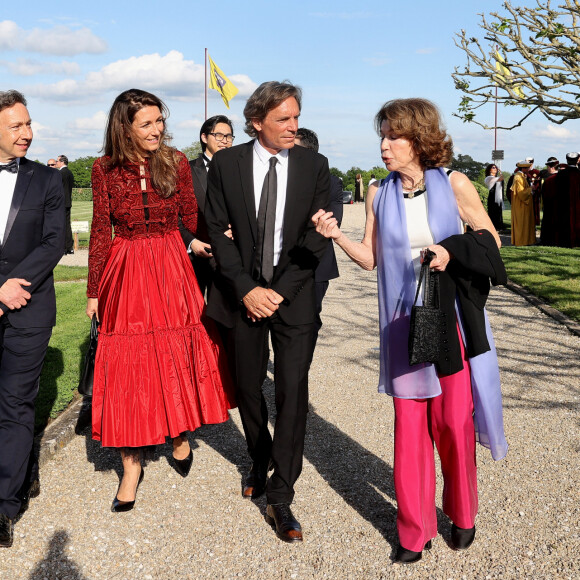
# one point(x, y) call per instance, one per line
point(168, 76)
point(557, 132)
point(59, 40)
point(425, 50)
point(190, 124)
point(30, 67)
point(89, 124)
point(379, 60)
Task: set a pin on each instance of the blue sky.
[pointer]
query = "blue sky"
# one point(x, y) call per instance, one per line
point(72, 58)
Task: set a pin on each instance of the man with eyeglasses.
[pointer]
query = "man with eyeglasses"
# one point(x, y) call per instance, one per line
point(216, 133)
point(51, 163)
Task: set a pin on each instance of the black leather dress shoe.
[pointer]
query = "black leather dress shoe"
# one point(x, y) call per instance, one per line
point(27, 494)
point(404, 556)
point(182, 466)
point(6, 531)
point(126, 506)
point(462, 538)
point(255, 484)
point(279, 515)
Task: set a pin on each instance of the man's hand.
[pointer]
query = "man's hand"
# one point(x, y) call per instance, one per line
point(261, 303)
point(199, 249)
point(13, 294)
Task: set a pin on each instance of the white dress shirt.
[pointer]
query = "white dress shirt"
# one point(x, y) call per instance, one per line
point(7, 185)
point(261, 167)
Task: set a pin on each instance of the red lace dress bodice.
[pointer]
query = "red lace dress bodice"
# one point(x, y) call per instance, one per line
point(125, 199)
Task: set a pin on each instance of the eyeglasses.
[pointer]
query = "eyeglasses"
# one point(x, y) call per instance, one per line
point(52, 164)
point(220, 137)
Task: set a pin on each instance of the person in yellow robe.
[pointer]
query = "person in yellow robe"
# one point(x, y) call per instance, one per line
point(523, 222)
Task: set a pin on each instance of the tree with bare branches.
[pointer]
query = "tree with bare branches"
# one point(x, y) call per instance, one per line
point(532, 58)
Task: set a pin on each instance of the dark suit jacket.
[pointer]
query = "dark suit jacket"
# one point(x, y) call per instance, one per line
point(328, 268)
point(33, 242)
point(230, 200)
point(199, 178)
point(476, 261)
point(68, 182)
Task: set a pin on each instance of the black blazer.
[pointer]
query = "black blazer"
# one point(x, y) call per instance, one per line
point(476, 260)
point(68, 182)
point(230, 200)
point(33, 242)
point(328, 268)
point(199, 178)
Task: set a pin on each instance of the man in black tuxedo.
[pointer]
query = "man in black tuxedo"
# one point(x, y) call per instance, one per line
point(32, 240)
point(328, 268)
point(68, 182)
point(267, 190)
point(215, 134)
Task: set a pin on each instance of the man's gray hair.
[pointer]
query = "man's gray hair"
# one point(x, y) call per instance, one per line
point(10, 98)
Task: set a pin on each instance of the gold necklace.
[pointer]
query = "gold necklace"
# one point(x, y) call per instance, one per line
point(410, 191)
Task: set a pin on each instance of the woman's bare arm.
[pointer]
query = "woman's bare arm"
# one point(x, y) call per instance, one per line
point(362, 253)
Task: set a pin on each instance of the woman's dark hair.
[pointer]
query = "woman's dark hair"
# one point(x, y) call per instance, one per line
point(489, 168)
point(418, 121)
point(265, 98)
point(120, 149)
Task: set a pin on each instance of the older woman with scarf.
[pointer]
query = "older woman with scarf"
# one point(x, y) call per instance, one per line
point(421, 205)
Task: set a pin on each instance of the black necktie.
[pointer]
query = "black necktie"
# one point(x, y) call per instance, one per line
point(264, 257)
point(11, 167)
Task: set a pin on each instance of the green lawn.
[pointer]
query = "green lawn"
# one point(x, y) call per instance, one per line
point(60, 375)
point(549, 273)
point(82, 211)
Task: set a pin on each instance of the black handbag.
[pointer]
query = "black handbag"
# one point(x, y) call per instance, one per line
point(428, 321)
point(86, 381)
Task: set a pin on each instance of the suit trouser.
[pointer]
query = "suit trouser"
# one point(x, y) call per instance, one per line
point(69, 243)
point(447, 421)
point(292, 347)
point(21, 356)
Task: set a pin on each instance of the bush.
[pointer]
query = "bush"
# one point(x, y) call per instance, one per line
point(483, 193)
point(82, 194)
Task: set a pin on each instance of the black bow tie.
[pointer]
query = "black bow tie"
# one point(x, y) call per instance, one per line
point(11, 167)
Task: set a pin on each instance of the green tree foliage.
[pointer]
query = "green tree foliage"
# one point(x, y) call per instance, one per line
point(537, 48)
point(466, 164)
point(81, 169)
point(192, 151)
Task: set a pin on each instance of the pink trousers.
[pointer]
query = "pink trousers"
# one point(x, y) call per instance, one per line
point(446, 420)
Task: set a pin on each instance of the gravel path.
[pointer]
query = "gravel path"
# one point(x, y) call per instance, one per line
point(528, 524)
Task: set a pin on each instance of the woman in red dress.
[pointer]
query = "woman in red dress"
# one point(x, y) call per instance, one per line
point(157, 371)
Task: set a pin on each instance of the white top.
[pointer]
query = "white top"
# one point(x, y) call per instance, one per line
point(420, 235)
point(7, 185)
point(261, 166)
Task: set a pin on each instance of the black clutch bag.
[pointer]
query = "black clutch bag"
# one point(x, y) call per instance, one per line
point(428, 321)
point(86, 381)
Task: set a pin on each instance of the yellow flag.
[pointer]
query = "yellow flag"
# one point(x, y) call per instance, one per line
point(505, 72)
point(220, 82)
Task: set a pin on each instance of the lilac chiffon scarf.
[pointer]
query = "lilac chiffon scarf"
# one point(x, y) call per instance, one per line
point(397, 285)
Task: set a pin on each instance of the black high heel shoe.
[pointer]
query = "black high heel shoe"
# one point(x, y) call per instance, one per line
point(182, 466)
point(126, 506)
point(405, 556)
point(462, 538)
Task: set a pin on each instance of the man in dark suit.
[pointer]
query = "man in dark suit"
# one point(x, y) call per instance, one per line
point(68, 182)
point(215, 134)
point(32, 240)
point(328, 268)
point(267, 190)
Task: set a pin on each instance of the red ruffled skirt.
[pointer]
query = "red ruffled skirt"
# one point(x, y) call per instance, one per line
point(158, 372)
